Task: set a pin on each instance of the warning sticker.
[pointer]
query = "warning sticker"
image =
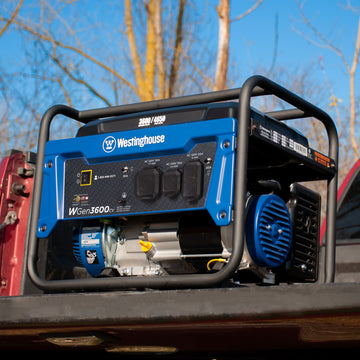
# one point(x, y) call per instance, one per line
point(321, 159)
point(91, 257)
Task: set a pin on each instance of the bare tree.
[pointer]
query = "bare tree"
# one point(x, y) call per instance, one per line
point(149, 75)
point(223, 11)
point(322, 41)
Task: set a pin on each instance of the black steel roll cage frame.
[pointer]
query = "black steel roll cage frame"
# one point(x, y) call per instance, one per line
point(252, 87)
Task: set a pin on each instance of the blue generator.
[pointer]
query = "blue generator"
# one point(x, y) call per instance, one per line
point(186, 192)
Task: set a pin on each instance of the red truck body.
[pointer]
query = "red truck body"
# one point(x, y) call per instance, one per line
point(16, 183)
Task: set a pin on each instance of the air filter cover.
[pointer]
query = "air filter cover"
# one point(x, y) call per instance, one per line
point(268, 230)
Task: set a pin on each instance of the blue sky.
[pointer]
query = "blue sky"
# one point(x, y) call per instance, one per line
point(255, 34)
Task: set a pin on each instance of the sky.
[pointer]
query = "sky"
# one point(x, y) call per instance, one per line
point(255, 34)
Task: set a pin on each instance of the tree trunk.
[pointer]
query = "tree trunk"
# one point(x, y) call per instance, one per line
point(223, 11)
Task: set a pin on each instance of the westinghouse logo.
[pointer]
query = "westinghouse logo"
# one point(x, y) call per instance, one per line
point(110, 143)
point(141, 141)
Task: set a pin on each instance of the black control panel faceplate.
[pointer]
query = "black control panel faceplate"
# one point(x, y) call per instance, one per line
point(159, 184)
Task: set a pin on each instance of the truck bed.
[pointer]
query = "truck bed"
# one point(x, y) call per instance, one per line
point(243, 320)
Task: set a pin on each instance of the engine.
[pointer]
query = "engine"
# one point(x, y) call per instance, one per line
point(152, 195)
point(191, 243)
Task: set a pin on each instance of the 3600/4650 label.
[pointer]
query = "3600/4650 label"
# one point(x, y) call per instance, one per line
point(93, 210)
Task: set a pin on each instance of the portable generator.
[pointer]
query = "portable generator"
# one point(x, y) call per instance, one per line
point(185, 192)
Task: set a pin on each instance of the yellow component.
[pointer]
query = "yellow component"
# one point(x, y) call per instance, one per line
point(145, 245)
point(85, 177)
point(214, 260)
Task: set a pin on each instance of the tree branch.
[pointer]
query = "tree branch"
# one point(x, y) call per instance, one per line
point(318, 34)
point(247, 12)
point(351, 70)
point(78, 51)
point(12, 18)
point(79, 81)
point(200, 72)
point(357, 49)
